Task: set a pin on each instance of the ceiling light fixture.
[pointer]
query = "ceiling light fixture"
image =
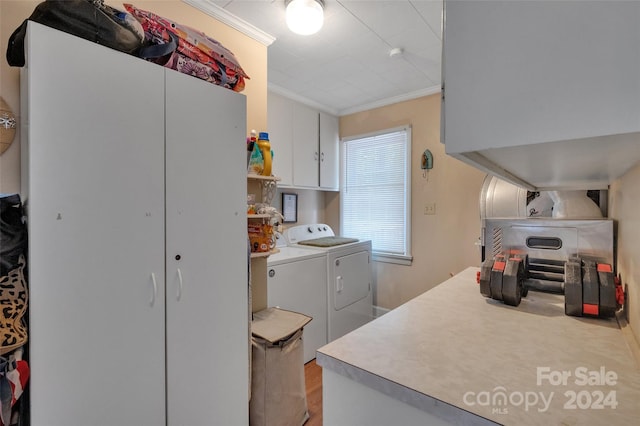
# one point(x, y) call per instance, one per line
point(396, 51)
point(305, 17)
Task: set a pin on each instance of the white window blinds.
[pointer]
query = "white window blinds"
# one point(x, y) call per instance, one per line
point(375, 190)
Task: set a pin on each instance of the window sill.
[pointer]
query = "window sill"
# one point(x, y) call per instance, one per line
point(392, 258)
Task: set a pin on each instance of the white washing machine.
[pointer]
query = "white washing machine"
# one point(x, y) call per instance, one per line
point(297, 281)
point(349, 276)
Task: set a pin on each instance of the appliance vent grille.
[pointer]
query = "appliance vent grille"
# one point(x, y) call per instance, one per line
point(496, 246)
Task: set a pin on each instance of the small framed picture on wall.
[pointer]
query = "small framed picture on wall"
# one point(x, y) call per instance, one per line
point(290, 207)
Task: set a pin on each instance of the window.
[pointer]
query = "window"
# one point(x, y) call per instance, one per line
point(376, 192)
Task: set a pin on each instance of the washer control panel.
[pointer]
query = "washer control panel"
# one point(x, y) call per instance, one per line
point(299, 233)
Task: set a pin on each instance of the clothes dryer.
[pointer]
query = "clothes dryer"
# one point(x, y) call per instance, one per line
point(349, 275)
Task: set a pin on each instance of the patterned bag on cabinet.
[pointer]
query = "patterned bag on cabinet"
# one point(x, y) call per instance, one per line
point(197, 54)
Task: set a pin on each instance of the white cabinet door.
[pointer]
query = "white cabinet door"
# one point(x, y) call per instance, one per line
point(302, 287)
point(94, 159)
point(306, 154)
point(279, 117)
point(305, 143)
point(329, 152)
point(207, 290)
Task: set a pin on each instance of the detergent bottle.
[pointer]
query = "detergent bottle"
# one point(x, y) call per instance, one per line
point(265, 150)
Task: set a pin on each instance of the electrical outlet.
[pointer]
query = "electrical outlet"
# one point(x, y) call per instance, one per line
point(430, 208)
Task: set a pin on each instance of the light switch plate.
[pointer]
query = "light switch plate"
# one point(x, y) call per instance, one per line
point(430, 208)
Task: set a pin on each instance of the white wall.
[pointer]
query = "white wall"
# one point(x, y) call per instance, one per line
point(624, 207)
point(310, 205)
point(442, 244)
point(12, 13)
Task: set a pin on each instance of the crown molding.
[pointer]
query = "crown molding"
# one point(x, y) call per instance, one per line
point(392, 100)
point(217, 12)
point(359, 108)
point(294, 96)
point(352, 110)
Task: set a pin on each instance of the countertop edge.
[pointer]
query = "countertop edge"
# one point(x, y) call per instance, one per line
point(421, 401)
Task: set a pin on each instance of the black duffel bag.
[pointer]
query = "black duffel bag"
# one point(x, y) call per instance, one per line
point(89, 19)
point(13, 233)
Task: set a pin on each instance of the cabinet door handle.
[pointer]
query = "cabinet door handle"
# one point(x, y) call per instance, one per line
point(179, 292)
point(155, 289)
point(315, 156)
point(322, 156)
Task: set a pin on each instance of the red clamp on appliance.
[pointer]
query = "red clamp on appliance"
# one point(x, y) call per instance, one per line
point(620, 296)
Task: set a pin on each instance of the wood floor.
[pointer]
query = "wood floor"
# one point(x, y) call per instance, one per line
point(313, 381)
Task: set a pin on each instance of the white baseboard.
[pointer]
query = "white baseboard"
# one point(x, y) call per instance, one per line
point(378, 311)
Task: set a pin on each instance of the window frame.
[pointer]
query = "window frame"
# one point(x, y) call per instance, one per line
point(378, 256)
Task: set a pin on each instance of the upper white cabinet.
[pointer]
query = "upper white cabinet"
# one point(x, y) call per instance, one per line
point(543, 94)
point(135, 182)
point(306, 150)
point(305, 143)
point(279, 116)
point(329, 152)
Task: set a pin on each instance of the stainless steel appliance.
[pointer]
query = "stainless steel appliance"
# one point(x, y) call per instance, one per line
point(568, 256)
point(499, 198)
point(549, 243)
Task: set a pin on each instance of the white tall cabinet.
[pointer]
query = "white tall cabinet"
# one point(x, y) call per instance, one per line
point(134, 180)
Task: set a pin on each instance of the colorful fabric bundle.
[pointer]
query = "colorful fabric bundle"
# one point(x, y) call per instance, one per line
point(197, 54)
point(14, 373)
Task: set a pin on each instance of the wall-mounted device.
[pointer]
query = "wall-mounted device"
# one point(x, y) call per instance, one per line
point(426, 162)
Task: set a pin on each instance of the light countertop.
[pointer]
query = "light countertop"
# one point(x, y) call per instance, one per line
point(472, 360)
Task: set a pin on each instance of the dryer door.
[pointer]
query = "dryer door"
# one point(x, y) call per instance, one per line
point(351, 279)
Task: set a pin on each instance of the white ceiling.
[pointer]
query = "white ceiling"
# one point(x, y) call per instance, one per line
point(346, 66)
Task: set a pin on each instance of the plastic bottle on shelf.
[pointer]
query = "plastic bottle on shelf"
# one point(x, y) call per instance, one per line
point(256, 162)
point(265, 150)
point(251, 141)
